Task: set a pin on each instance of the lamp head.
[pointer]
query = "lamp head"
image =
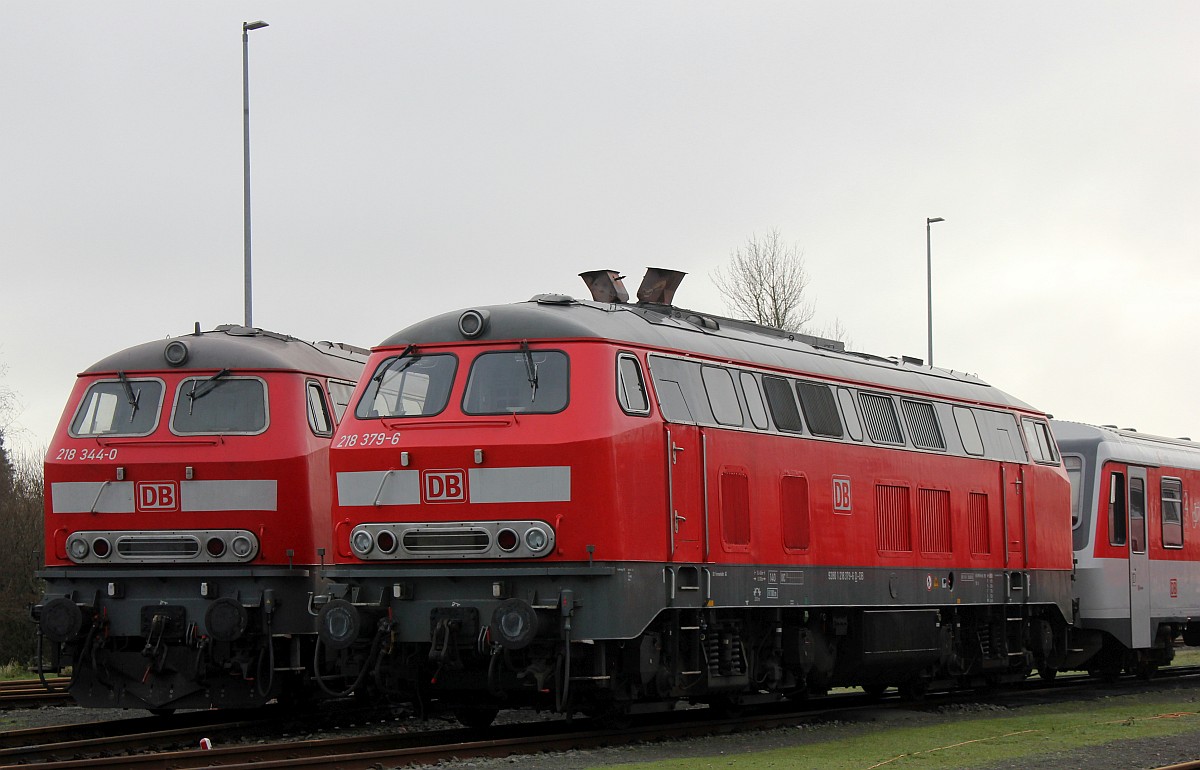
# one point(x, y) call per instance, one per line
point(249, 25)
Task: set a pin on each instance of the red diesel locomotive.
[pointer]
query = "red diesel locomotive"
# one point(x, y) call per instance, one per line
point(187, 500)
point(1134, 515)
point(609, 507)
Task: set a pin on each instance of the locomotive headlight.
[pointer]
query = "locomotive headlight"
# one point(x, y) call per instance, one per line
point(362, 542)
point(473, 323)
point(101, 547)
point(537, 539)
point(78, 548)
point(241, 546)
point(176, 353)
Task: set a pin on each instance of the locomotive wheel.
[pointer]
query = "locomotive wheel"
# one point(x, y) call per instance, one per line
point(1047, 674)
point(161, 712)
point(1146, 671)
point(476, 717)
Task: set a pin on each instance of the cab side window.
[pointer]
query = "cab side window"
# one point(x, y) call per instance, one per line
point(631, 387)
point(318, 411)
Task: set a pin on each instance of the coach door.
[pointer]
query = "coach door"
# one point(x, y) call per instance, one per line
point(686, 498)
point(1139, 560)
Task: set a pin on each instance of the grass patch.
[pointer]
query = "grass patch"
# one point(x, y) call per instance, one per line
point(13, 670)
point(963, 741)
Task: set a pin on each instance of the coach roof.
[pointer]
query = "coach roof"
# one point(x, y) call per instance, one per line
point(672, 329)
point(239, 348)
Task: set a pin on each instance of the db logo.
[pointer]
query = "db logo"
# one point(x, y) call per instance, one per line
point(841, 494)
point(443, 486)
point(157, 496)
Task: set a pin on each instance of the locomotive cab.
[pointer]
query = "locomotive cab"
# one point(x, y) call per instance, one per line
point(183, 492)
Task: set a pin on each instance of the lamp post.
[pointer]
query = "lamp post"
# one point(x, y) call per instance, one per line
point(246, 27)
point(928, 280)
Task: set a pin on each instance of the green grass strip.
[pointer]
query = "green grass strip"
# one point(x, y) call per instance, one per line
point(968, 740)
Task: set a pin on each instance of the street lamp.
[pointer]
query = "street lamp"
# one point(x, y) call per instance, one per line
point(928, 279)
point(246, 27)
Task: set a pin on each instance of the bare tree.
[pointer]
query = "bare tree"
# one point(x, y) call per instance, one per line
point(765, 282)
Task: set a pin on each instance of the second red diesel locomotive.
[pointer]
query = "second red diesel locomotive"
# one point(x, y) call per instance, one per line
point(607, 506)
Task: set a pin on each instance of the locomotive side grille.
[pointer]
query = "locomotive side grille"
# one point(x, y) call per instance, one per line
point(933, 506)
point(457, 540)
point(879, 413)
point(893, 515)
point(923, 425)
point(977, 515)
point(164, 547)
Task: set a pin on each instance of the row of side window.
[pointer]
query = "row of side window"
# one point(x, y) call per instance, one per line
point(704, 394)
point(1119, 533)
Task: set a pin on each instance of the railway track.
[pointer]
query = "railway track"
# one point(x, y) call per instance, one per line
point(30, 693)
point(397, 748)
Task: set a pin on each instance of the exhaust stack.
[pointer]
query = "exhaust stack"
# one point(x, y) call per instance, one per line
point(659, 285)
point(606, 286)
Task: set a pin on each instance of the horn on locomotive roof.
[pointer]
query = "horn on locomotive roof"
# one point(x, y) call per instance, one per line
point(606, 285)
point(659, 285)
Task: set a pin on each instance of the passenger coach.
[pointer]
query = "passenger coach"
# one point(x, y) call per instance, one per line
point(606, 506)
point(187, 502)
point(1135, 514)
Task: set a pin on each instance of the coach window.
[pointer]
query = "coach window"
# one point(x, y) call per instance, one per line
point(820, 409)
point(631, 388)
point(121, 407)
point(526, 381)
point(1172, 513)
point(1116, 508)
point(1037, 436)
point(1137, 515)
point(1074, 466)
point(754, 401)
point(968, 431)
point(722, 396)
point(850, 414)
point(220, 404)
point(923, 425)
point(318, 412)
point(782, 404)
point(408, 385)
point(340, 393)
point(880, 414)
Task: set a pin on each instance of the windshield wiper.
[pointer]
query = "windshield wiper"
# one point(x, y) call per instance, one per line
point(530, 370)
point(130, 396)
point(411, 350)
point(206, 387)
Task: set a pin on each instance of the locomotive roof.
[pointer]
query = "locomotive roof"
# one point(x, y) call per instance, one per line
point(237, 347)
point(1126, 444)
point(670, 328)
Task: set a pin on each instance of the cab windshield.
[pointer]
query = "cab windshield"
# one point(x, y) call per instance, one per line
point(408, 385)
point(527, 381)
point(122, 407)
point(220, 404)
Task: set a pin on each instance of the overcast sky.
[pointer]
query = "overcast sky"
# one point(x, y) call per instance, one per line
point(409, 159)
